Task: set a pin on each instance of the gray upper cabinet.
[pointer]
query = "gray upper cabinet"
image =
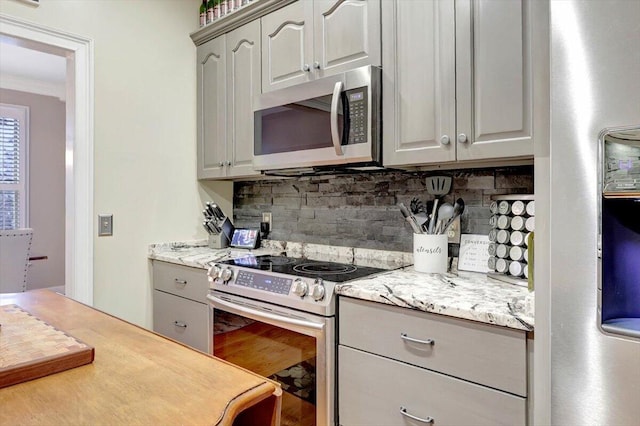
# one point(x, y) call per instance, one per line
point(243, 83)
point(212, 90)
point(418, 86)
point(495, 78)
point(312, 39)
point(228, 72)
point(471, 94)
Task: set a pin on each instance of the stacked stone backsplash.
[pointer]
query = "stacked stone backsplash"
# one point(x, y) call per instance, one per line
point(360, 210)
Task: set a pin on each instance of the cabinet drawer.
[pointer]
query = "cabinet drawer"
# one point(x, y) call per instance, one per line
point(181, 280)
point(180, 319)
point(489, 355)
point(371, 390)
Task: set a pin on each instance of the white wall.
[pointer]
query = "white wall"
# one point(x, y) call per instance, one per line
point(145, 131)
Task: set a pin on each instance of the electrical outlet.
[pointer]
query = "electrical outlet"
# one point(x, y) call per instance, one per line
point(105, 225)
point(266, 217)
point(453, 233)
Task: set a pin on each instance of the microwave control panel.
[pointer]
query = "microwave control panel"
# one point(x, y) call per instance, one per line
point(358, 107)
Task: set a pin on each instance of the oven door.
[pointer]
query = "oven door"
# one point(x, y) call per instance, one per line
point(293, 348)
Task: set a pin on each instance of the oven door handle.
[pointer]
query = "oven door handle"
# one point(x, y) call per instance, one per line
point(335, 134)
point(277, 319)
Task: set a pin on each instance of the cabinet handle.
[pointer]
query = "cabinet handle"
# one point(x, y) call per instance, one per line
point(316, 65)
point(411, 339)
point(228, 163)
point(462, 138)
point(179, 281)
point(403, 411)
point(306, 67)
point(180, 324)
point(221, 164)
point(444, 140)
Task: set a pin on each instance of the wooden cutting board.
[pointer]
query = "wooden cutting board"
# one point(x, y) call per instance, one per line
point(30, 348)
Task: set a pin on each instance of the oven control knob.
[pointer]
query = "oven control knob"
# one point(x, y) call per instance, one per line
point(226, 275)
point(214, 273)
point(300, 287)
point(317, 292)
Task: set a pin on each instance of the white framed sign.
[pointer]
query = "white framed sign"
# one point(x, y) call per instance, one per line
point(474, 253)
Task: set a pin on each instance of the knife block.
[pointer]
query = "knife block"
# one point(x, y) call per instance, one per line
point(223, 239)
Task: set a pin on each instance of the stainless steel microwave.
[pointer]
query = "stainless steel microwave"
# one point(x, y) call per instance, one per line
point(326, 123)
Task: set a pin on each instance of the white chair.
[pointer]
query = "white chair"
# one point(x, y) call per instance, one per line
point(15, 245)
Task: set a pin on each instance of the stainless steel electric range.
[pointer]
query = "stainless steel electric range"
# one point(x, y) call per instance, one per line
point(275, 315)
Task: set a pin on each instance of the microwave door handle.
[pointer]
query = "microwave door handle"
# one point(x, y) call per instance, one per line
point(335, 134)
point(276, 319)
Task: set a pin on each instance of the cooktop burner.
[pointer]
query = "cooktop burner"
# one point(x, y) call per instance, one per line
point(328, 271)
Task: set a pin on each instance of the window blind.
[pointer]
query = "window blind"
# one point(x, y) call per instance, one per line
point(12, 167)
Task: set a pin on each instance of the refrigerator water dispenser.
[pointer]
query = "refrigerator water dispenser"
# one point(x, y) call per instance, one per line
point(619, 280)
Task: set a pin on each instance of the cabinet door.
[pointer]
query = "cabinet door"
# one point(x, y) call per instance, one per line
point(372, 390)
point(494, 79)
point(287, 44)
point(211, 74)
point(346, 35)
point(243, 77)
point(418, 82)
point(181, 319)
point(184, 281)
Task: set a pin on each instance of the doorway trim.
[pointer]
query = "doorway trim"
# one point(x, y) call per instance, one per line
point(78, 146)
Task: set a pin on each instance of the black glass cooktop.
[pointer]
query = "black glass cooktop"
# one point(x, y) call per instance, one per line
point(328, 271)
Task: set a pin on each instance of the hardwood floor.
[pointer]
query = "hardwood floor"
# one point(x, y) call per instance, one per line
point(267, 350)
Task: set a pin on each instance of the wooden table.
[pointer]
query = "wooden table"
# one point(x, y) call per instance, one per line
point(137, 378)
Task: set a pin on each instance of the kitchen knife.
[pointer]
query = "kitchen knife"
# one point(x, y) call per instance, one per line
point(217, 212)
point(410, 218)
point(214, 226)
point(205, 224)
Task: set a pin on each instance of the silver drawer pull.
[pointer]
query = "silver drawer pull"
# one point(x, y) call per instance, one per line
point(411, 339)
point(180, 324)
point(403, 411)
point(179, 281)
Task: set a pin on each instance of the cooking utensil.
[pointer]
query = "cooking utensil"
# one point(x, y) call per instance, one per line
point(438, 185)
point(445, 213)
point(434, 216)
point(416, 206)
point(410, 218)
point(458, 209)
point(422, 219)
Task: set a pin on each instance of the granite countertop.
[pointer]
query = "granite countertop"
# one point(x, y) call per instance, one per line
point(466, 295)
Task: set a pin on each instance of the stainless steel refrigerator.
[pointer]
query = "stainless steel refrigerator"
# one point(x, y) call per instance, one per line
point(583, 375)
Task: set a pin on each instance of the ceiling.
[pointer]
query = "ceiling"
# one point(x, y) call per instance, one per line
point(32, 71)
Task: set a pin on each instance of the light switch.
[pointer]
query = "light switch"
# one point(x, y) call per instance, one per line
point(105, 225)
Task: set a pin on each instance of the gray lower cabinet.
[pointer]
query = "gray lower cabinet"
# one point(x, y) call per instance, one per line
point(454, 371)
point(180, 309)
point(375, 390)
